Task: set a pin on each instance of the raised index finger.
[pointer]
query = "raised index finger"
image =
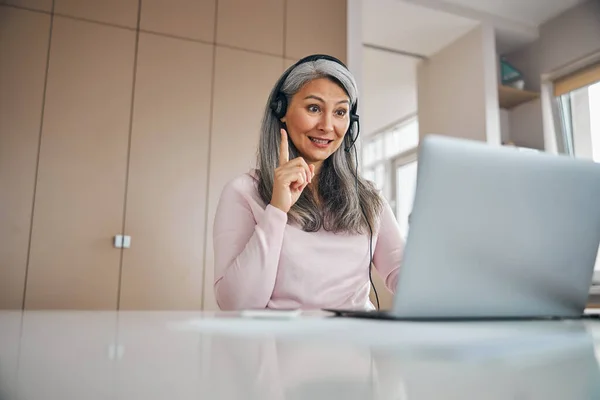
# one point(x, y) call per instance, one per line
point(284, 153)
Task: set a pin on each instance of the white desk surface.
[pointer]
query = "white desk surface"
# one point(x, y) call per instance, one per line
point(178, 355)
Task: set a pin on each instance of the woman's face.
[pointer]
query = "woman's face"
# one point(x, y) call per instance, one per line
point(317, 119)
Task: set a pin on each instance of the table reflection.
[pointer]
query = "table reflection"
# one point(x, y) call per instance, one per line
point(152, 355)
point(541, 361)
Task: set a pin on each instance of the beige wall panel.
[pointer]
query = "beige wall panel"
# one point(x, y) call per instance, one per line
point(452, 90)
point(23, 51)
point(390, 90)
point(288, 63)
point(194, 19)
point(40, 5)
point(315, 26)
point(166, 195)
point(253, 25)
point(82, 167)
point(239, 100)
point(118, 12)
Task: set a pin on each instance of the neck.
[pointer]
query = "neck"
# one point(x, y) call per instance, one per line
point(317, 167)
point(314, 184)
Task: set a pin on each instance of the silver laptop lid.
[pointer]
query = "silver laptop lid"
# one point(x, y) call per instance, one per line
point(496, 232)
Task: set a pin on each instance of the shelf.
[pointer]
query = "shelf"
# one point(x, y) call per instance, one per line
point(509, 97)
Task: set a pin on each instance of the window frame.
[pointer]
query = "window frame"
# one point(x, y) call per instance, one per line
point(389, 187)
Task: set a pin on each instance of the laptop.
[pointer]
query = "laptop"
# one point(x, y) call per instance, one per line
point(497, 233)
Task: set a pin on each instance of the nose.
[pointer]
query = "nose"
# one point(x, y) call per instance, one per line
point(326, 123)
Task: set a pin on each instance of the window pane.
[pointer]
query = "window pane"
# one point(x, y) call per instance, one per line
point(594, 96)
point(581, 125)
point(368, 154)
point(406, 179)
point(392, 143)
point(581, 122)
point(379, 176)
point(369, 174)
point(378, 149)
point(401, 139)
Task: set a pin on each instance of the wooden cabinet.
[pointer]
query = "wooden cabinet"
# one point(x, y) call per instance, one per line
point(79, 200)
point(128, 118)
point(22, 74)
point(106, 136)
point(119, 157)
point(168, 173)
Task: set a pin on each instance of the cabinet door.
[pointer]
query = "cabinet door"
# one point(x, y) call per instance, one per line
point(82, 167)
point(166, 191)
point(24, 39)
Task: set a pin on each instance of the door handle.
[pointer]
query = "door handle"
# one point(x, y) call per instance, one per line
point(122, 241)
point(118, 241)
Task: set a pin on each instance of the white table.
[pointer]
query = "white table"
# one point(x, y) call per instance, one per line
point(170, 355)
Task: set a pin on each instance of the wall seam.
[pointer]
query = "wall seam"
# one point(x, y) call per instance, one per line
point(37, 162)
point(128, 160)
point(27, 8)
point(284, 29)
point(210, 132)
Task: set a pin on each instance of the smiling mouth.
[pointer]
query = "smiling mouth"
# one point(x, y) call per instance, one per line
point(320, 141)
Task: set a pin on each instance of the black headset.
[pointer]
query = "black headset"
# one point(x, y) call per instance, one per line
point(279, 107)
point(279, 103)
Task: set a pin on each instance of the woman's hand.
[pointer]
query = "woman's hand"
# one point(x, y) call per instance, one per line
point(291, 177)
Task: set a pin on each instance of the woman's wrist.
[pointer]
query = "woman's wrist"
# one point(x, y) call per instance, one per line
point(278, 206)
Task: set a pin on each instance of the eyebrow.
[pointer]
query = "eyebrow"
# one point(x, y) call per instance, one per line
point(312, 96)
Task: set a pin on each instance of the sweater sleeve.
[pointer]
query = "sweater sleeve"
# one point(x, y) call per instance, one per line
point(246, 251)
point(389, 250)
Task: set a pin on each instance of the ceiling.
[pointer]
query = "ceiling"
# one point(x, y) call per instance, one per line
point(411, 28)
point(426, 26)
point(530, 12)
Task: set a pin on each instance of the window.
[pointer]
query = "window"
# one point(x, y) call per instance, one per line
point(389, 161)
point(578, 99)
point(594, 94)
point(406, 180)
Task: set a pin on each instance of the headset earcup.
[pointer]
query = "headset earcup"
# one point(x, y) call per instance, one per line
point(353, 131)
point(279, 106)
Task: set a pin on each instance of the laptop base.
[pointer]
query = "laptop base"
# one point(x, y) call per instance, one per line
point(387, 315)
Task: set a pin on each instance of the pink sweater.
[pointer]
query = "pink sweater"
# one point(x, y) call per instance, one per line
point(261, 261)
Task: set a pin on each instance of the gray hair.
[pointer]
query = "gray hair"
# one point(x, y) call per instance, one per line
point(338, 183)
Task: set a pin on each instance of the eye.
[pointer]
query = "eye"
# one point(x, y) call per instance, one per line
point(341, 112)
point(313, 108)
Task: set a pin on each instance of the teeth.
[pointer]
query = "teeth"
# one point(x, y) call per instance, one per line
point(319, 141)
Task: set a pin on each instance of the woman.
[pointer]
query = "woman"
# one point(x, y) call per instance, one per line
point(296, 232)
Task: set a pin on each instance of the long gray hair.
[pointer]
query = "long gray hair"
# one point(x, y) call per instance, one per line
point(341, 209)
